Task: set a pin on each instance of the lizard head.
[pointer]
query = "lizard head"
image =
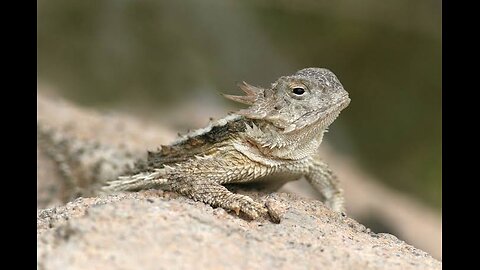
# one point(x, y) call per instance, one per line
point(310, 96)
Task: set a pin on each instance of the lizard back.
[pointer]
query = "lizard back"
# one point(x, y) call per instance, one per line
point(199, 142)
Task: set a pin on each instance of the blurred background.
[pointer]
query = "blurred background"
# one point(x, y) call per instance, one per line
point(168, 60)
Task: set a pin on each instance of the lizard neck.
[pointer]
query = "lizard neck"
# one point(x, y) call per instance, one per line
point(303, 144)
point(291, 146)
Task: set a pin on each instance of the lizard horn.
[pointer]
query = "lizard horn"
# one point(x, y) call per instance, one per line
point(250, 113)
point(250, 90)
point(249, 100)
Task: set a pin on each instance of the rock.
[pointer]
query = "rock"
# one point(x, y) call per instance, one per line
point(161, 230)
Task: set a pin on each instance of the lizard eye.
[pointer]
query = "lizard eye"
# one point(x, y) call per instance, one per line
point(298, 91)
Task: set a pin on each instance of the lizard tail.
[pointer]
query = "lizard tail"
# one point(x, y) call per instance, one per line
point(139, 181)
point(84, 165)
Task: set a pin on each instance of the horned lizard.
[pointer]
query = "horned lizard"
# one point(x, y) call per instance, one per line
point(275, 140)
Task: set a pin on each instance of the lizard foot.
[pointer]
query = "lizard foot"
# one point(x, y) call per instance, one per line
point(246, 205)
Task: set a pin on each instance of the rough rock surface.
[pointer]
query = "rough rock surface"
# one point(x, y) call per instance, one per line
point(160, 230)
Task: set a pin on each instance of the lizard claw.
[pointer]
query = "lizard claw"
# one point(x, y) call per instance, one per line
point(236, 209)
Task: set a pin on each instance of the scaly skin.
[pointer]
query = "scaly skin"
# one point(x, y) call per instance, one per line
point(277, 137)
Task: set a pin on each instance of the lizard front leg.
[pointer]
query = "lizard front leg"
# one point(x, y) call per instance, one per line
point(325, 181)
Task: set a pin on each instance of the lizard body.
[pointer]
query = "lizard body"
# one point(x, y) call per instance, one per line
point(276, 137)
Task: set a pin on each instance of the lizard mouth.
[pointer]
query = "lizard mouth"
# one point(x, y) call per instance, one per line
point(321, 118)
point(329, 115)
